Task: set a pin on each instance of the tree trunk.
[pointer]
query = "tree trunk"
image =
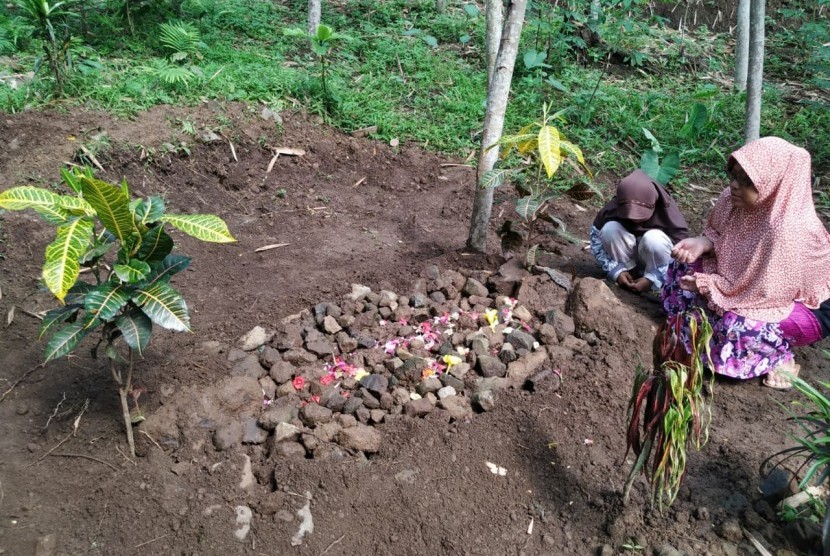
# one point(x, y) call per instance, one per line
point(742, 45)
point(497, 94)
point(755, 75)
point(495, 21)
point(596, 12)
point(315, 10)
point(440, 6)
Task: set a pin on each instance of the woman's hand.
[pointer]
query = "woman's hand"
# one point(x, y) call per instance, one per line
point(691, 249)
point(642, 285)
point(689, 283)
point(624, 280)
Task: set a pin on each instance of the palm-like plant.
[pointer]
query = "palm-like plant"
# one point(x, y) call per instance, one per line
point(170, 73)
point(50, 24)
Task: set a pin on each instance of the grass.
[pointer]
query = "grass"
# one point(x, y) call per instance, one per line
point(408, 71)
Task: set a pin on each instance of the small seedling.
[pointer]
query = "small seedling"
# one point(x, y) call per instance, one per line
point(632, 546)
point(322, 43)
point(187, 126)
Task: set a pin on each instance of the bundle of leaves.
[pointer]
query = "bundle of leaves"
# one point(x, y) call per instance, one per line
point(667, 409)
point(128, 293)
point(812, 450)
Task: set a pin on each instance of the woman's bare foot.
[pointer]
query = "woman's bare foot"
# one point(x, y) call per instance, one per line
point(779, 378)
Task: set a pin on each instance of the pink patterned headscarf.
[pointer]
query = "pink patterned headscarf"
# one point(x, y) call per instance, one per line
point(775, 252)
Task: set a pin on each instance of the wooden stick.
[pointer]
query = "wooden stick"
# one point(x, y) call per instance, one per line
point(92, 158)
point(233, 150)
point(84, 456)
point(31, 314)
point(358, 182)
point(269, 247)
point(152, 541)
point(271, 164)
point(758, 546)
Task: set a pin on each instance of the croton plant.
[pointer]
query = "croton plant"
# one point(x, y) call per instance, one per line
point(127, 255)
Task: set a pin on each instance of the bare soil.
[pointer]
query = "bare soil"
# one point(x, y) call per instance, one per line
point(349, 211)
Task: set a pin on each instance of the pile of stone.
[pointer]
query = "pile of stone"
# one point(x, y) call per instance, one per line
point(328, 374)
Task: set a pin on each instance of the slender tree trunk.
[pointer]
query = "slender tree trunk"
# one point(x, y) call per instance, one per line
point(315, 10)
point(440, 6)
point(596, 12)
point(124, 388)
point(497, 94)
point(755, 75)
point(742, 45)
point(495, 21)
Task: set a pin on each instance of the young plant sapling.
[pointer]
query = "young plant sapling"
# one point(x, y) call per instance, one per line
point(322, 43)
point(541, 145)
point(129, 292)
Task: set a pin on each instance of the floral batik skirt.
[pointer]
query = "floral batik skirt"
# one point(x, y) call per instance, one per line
point(741, 347)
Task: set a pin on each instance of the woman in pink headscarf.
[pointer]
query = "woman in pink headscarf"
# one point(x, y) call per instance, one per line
point(761, 269)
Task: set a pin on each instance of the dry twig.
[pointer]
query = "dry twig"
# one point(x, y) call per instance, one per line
point(84, 456)
point(75, 426)
point(91, 158)
point(152, 541)
point(334, 542)
point(31, 314)
point(18, 381)
point(145, 433)
point(55, 411)
point(123, 455)
point(269, 247)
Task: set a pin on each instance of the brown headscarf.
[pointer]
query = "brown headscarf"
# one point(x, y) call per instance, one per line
point(640, 197)
point(776, 251)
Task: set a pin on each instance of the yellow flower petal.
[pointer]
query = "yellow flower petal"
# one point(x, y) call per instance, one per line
point(451, 360)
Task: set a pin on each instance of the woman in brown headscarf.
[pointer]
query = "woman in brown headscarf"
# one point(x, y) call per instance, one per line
point(634, 233)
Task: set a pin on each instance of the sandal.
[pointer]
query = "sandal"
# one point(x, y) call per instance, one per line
point(779, 378)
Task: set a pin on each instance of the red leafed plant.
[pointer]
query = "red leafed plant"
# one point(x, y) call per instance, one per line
point(667, 409)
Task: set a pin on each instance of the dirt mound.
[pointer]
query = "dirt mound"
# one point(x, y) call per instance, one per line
point(538, 472)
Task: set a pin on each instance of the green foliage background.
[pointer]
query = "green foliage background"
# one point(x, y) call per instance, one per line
point(419, 75)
